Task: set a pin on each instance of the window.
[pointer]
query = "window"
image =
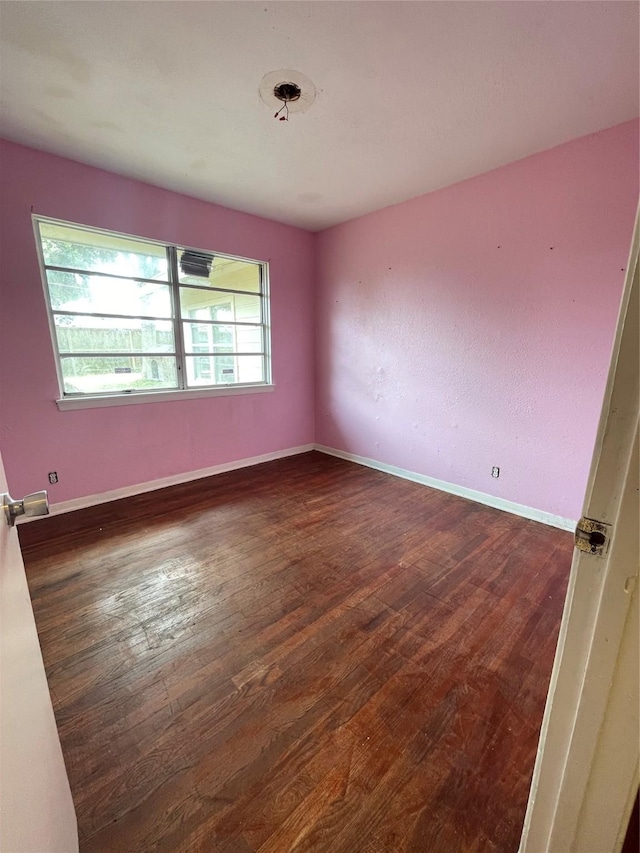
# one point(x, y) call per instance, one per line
point(135, 316)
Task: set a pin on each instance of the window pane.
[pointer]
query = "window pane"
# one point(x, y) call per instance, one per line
point(97, 375)
point(99, 295)
point(250, 368)
point(224, 369)
point(114, 313)
point(65, 246)
point(111, 334)
point(208, 270)
point(248, 339)
point(203, 337)
point(234, 307)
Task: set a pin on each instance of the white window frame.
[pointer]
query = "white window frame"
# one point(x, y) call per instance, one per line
point(80, 400)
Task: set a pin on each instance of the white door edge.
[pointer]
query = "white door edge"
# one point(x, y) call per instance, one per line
point(586, 771)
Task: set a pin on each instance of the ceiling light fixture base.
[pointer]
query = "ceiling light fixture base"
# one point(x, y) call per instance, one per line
point(289, 87)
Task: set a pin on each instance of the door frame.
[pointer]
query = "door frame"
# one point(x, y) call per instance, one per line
point(586, 773)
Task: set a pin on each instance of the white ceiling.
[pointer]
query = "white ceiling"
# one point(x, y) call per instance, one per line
point(411, 96)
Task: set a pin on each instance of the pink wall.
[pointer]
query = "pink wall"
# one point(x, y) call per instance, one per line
point(95, 450)
point(472, 327)
point(437, 351)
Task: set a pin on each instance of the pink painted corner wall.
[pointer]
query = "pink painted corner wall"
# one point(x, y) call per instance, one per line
point(472, 326)
point(95, 450)
point(467, 328)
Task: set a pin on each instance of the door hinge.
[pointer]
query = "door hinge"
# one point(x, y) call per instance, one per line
point(593, 536)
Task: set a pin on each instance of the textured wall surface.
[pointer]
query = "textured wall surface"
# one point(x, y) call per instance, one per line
point(467, 328)
point(95, 450)
point(472, 326)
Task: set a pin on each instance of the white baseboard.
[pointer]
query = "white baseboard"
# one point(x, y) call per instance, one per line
point(452, 489)
point(176, 479)
point(441, 485)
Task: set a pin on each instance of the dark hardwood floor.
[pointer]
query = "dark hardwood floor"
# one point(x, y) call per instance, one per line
point(307, 655)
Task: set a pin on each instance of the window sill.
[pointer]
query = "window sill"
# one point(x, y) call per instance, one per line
point(67, 404)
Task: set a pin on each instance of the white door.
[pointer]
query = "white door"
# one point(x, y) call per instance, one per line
point(36, 809)
point(586, 774)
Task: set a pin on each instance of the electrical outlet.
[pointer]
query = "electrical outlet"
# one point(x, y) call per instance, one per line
point(53, 477)
point(495, 471)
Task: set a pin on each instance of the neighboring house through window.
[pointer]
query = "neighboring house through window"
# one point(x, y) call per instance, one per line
point(137, 316)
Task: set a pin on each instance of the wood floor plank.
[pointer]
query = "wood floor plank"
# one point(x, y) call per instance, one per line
point(306, 655)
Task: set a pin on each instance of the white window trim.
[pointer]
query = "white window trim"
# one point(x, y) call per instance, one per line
point(70, 402)
point(127, 398)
